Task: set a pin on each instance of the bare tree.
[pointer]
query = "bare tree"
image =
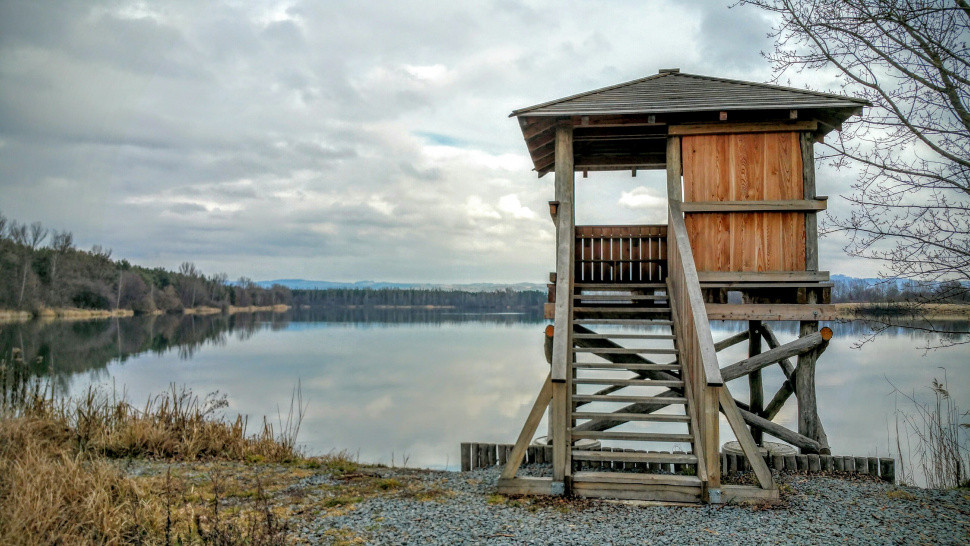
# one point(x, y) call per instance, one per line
point(189, 283)
point(61, 242)
point(29, 238)
point(911, 60)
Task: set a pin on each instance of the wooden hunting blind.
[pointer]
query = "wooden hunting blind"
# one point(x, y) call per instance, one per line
point(633, 361)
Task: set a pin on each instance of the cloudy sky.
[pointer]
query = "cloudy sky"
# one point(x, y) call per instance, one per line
point(333, 140)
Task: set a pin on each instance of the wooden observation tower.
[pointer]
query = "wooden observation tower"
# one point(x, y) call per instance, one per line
point(633, 361)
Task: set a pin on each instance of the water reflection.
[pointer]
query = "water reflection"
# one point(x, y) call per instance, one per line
point(416, 383)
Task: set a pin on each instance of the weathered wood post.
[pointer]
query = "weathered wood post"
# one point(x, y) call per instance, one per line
point(674, 168)
point(756, 400)
point(562, 336)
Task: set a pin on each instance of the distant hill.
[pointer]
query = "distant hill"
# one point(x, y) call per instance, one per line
point(303, 284)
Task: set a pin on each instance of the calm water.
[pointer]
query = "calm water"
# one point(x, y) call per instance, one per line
point(414, 385)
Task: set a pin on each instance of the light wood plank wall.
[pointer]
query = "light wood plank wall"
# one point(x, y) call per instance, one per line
point(745, 167)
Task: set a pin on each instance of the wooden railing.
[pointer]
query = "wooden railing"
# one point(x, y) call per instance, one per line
point(696, 347)
point(621, 254)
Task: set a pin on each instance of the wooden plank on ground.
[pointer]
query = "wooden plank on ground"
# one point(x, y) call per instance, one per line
point(741, 493)
point(525, 486)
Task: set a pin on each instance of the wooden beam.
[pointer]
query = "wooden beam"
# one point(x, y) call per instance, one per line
point(799, 346)
point(808, 186)
point(528, 430)
point(565, 243)
point(731, 341)
point(756, 398)
point(525, 486)
point(762, 276)
point(626, 161)
point(786, 365)
point(784, 205)
point(741, 432)
point(805, 388)
point(779, 399)
point(562, 336)
point(674, 169)
point(740, 493)
point(533, 126)
point(773, 311)
point(805, 443)
point(733, 128)
point(560, 431)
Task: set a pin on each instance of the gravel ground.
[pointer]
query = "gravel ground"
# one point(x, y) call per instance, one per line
point(462, 508)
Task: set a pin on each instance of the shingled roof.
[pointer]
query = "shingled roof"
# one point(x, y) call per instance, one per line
point(625, 126)
point(673, 91)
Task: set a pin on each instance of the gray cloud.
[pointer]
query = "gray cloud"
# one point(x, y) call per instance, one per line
point(331, 140)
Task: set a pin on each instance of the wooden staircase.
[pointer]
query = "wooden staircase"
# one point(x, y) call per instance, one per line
point(628, 392)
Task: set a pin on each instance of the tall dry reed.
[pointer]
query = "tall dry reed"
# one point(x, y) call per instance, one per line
point(60, 484)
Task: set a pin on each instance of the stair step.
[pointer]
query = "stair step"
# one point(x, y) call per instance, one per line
point(634, 456)
point(623, 309)
point(618, 321)
point(635, 478)
point(673, 367)
point(635, 436)
point(641, 366)
point(618, 286)
point(629, 382)
point(623, 336)
point(629, 398)
point(620, 297)
point(623, 351)
point(623, 416)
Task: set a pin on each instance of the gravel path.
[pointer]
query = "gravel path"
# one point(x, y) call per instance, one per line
point(461, 508)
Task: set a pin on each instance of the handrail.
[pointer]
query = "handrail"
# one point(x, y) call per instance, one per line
point(686, 289)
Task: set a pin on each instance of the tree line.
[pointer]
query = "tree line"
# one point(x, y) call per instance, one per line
point(42, 268)
point(502, 300)
point(898, 291)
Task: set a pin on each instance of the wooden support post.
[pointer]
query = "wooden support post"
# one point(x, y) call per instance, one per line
point(711, 435)
point(528, 429)
point(674, 168)
point(731, 341)
point(560, 438)
point(562, 336)
point(757, 396)
point(805, 389)
point(565, 243)
point(466, 459)
point(807, 146)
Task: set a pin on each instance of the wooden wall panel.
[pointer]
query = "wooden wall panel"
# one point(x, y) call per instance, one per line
point(745, 167)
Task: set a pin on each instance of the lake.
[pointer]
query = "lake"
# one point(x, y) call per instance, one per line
point(409, 386)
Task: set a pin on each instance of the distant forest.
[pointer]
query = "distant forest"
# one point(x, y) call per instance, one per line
point(849, 290)
point(502, 300)
point(40, 268)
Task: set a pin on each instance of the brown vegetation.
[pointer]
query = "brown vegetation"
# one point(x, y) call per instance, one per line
point(62, 479)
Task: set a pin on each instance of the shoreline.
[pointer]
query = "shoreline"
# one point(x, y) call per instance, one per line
point(885, 311)
point(8, 316)
point(376, 504)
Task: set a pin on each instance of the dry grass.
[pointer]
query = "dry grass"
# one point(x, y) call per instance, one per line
point(62, 479)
